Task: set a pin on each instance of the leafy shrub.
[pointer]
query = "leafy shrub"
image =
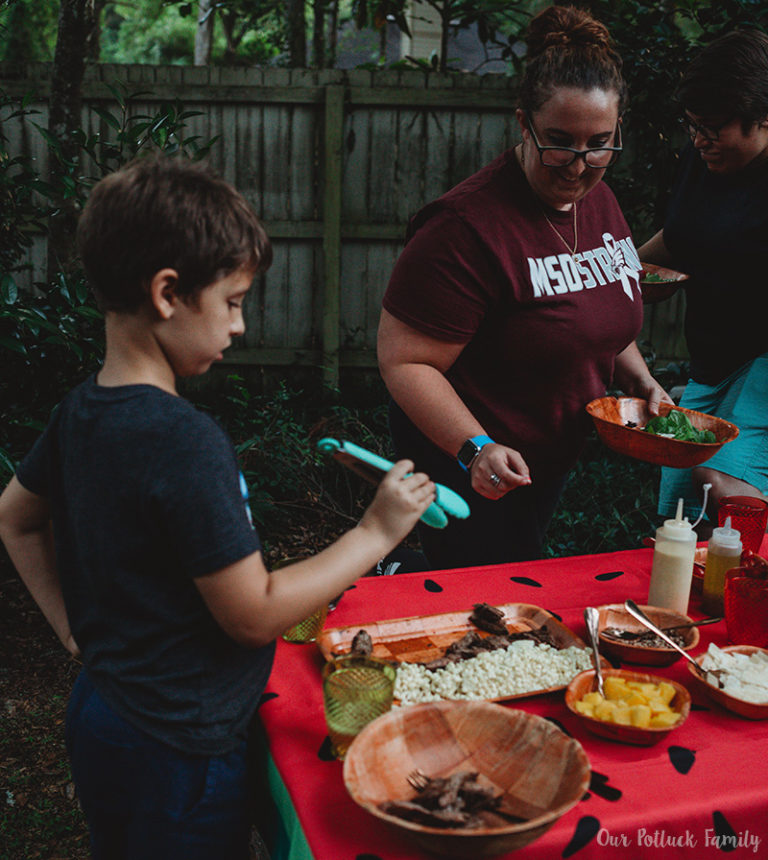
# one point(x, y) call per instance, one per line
point(51, 337)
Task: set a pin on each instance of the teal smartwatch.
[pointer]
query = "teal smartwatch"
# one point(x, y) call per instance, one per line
point(470, 449)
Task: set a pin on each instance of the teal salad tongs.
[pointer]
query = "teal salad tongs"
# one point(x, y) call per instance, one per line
point(372, 467)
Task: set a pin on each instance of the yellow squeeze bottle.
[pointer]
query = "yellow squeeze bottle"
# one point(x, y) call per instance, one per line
point(723, 553)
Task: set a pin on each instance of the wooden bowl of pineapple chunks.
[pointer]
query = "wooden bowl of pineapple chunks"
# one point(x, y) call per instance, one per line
point(637, 708)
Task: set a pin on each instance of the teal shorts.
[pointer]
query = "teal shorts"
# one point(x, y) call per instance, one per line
point(742, 399)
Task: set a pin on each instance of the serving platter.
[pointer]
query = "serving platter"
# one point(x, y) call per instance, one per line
point(749, 710)
point(421, 639)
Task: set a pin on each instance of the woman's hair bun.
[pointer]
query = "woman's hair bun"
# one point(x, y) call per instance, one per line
point(566, 27)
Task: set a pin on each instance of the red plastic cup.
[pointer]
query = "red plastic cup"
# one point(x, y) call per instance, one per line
point(749, 516)
point(746, 609)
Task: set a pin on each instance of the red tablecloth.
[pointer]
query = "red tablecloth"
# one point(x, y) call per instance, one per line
point(701, 790)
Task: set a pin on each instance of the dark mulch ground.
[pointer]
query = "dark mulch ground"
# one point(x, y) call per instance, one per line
point(39, 814)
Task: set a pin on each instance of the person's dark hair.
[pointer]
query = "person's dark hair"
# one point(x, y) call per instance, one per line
point(166, 212)
point(567, 47)
point(729, 77)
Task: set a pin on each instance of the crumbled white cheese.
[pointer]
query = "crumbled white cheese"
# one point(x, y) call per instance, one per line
point(524, 667)
point(743, 676)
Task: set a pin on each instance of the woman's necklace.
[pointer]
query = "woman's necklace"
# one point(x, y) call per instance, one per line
point(560, 236)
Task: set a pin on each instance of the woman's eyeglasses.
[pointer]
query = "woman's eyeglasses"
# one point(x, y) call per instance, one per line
point(598, 157)
point(708, 132)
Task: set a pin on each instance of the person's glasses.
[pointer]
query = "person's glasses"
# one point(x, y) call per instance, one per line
point(598, 157)
point(708, 132)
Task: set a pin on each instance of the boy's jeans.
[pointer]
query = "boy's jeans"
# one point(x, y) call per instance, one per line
point(145, 800)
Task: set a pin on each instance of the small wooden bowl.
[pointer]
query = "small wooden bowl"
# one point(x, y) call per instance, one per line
point(610, 416)
point(657, 291)
point(585, 682)
point(540, 771)
point(615, 615)
point(749, 710)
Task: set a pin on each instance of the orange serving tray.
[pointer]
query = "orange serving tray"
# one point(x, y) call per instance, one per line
point(421, 639)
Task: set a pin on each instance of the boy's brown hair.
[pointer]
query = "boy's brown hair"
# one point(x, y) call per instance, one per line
point(166, 212)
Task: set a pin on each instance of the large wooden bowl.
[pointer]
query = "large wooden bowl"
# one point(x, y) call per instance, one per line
point(615, 615)
point(611, 416)
point(668, 282)
point(584, 683)
point(748, 710)
point(540, 771)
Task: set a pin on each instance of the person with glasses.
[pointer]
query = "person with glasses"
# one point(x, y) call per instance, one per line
point(515, 302)
point(716, 230)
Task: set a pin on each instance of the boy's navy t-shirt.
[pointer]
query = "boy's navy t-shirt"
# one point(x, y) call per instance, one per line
point(146, 495)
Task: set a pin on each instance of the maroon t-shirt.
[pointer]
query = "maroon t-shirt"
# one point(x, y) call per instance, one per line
point(542, 328)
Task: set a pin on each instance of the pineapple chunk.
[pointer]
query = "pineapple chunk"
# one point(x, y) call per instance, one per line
point(631, 703)
point(606, 711)
point(658, 706)
point(645, 688)
point(635, 697)
point(622, 717)
point(615, 688)
point(640, 716)
point(664, 719)
point(666, 692)
point(586, 708)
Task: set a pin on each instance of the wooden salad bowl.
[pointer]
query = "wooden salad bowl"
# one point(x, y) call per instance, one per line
point(658, 283)
point(619, 422)
point(540, 771)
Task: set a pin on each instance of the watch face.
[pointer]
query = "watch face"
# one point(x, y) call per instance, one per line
point(467, 452)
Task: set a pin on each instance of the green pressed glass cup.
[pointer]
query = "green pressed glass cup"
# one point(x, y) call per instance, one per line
point(356, 690)
point(308, 629)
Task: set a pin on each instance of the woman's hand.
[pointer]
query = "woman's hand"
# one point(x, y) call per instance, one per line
point(654, 394)
point(634, 378)
point(497, 469)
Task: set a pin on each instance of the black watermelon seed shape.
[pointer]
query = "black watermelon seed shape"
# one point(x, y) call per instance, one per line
point(431, 585)
point(606, 577)
point(526, 580)
point(325, 753)
point(598, 784)
point(682, 758)
point(587, 828)
point(724, 831)
point(266, 697)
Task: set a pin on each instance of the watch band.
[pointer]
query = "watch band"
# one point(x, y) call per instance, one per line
point(470, 449)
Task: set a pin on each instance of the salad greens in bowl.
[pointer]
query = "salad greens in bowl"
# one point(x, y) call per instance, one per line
point(677, 437)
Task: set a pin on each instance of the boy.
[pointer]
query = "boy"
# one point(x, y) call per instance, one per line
point(127, 524)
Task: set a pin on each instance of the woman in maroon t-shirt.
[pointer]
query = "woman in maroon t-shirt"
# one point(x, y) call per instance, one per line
point(516, 301)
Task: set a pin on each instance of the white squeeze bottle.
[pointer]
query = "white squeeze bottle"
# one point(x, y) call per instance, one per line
point(672, 568)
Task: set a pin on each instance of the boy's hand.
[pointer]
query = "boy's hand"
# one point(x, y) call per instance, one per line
point(72, 646)
point(399, 502)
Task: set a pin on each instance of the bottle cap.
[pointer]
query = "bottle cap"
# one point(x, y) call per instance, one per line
point(679, 528)
point(726, 536)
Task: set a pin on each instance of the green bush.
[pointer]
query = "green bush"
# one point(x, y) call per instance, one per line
point(52, 336)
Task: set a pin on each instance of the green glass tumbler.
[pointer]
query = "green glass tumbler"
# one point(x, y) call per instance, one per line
point(356, 690)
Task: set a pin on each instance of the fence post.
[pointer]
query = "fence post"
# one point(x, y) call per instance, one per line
point(334, 122)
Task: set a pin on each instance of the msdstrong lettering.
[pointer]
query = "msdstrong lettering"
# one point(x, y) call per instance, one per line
point(615, 260)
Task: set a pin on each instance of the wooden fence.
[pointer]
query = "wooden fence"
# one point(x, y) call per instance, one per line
point(334, 162)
